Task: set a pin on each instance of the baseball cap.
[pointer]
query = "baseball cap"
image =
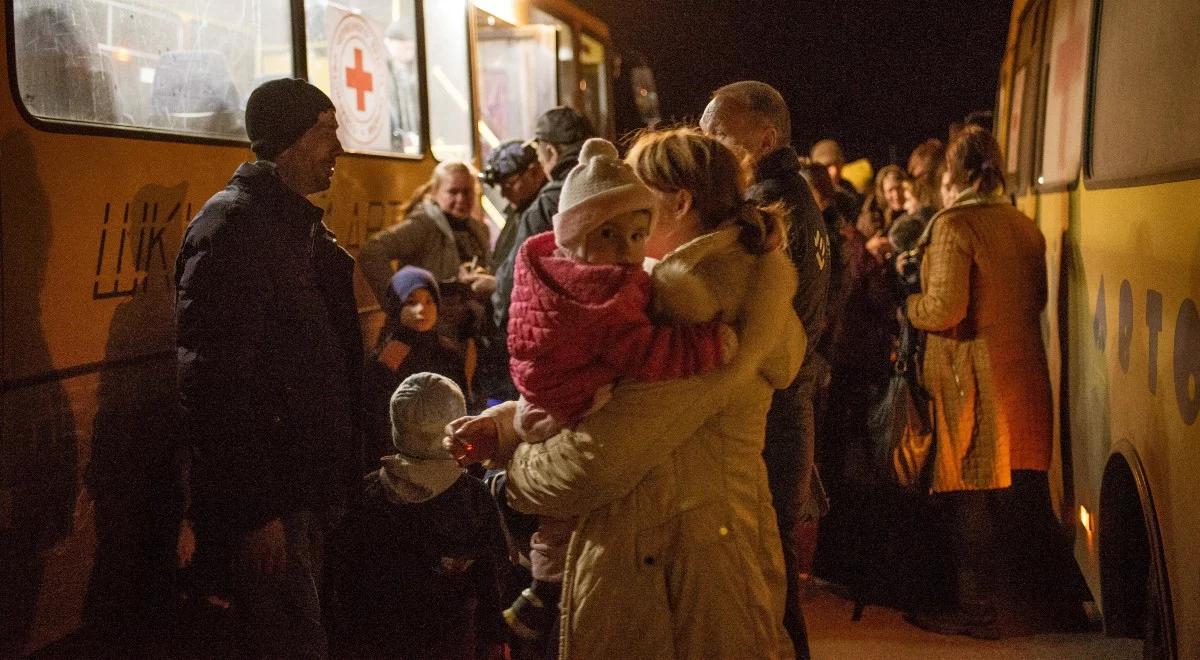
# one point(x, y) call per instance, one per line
point(509, 158)
point(563, 125)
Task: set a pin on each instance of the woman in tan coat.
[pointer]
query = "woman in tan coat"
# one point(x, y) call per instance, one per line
point(983, 281)
point(676, 553)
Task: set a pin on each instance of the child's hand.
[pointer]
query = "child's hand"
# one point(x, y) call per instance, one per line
point(472, 439)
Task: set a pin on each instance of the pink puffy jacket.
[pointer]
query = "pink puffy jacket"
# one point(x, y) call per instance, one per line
point(574, 327)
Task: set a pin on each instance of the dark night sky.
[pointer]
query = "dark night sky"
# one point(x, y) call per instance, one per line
point(870, 73)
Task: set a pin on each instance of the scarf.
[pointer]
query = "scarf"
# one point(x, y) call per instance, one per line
point(411, 480)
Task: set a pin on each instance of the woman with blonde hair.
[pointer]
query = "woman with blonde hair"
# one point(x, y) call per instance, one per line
point(440, 231)
point(676, 551)
point(983, 288)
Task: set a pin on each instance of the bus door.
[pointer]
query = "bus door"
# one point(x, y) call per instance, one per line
point(517, 78)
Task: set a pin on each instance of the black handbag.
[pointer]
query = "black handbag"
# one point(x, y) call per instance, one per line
point(901, 423)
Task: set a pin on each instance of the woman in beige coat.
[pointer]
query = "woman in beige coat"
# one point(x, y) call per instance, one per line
point(983, 281)
point(676, 553)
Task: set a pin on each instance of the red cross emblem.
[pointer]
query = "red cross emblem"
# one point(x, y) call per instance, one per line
point(360, 80)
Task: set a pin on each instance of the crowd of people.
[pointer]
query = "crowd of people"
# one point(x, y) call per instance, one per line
point(597, 433)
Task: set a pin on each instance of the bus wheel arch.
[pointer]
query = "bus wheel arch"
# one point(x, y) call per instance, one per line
point(1135, 591)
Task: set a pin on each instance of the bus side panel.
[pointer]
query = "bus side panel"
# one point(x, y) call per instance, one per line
point(90, 230)
point(1136, 341)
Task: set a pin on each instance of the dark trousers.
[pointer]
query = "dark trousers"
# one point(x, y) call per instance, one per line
point(788, 454)
point(1044, 572)
point(970, 524)
point(279, 615)
point(1009, 542)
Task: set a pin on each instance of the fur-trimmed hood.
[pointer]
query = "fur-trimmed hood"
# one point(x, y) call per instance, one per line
point(713, 276)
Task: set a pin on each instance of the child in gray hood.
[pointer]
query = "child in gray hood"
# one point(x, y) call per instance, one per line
point(418, 563)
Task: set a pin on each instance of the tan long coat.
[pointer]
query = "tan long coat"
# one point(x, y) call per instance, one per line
point(676, 553)
point(984, 286)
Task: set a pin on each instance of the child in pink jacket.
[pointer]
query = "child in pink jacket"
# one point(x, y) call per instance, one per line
point(578, 322)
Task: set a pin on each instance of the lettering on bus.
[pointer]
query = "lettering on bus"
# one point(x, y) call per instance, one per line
point(1186, 356)
point(133, 247)
point(1154, 326)
point(134, 237)
point(366, 218)
point(1187, 361)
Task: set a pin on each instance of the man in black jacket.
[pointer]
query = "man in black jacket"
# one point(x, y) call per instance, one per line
point(559, 134)
point(269, 351)
point(513, 169)
point(752, 119)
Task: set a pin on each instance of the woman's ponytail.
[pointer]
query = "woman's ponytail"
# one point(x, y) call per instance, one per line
point(973, 160)
point(760, 228)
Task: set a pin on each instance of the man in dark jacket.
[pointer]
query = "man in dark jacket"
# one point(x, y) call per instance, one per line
point(513, 168)
point(828, 153)
point(752, 119)
point(559, 134)
point(269, 351)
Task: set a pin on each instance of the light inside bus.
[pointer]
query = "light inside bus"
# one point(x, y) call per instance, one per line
point(505, 10)
point(1086, 519)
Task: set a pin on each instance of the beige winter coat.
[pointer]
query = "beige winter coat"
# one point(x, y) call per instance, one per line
point(984, 286)
point(676, 553)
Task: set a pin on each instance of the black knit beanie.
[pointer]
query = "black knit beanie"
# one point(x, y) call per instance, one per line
point(279, 112)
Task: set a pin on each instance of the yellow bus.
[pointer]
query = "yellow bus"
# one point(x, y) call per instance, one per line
point(118, 119)
point(1098, 111)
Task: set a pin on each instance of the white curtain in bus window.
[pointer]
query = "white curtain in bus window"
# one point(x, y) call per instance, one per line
point(593, 82)
point(363, 53)
point(1146, 118)
point(451, 136)
point(517, 74)
point(1066, 86)
point(567, 80)
point(183, 66)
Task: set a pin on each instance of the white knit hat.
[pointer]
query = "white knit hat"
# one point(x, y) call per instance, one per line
point(599, 188)
point(421, 407)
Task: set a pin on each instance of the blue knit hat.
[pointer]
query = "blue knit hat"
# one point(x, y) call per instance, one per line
point(404, 282)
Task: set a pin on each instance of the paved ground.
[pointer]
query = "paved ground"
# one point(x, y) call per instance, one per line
point(883, 634)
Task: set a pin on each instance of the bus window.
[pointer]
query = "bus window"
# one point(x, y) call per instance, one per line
point(1065, 88)
point(517, 74)
point(363, 53)
point(567, 80)
point(593, 82)
point(1023, 118)
point(451, 135)
point(180, 65)
point(1146, 112)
